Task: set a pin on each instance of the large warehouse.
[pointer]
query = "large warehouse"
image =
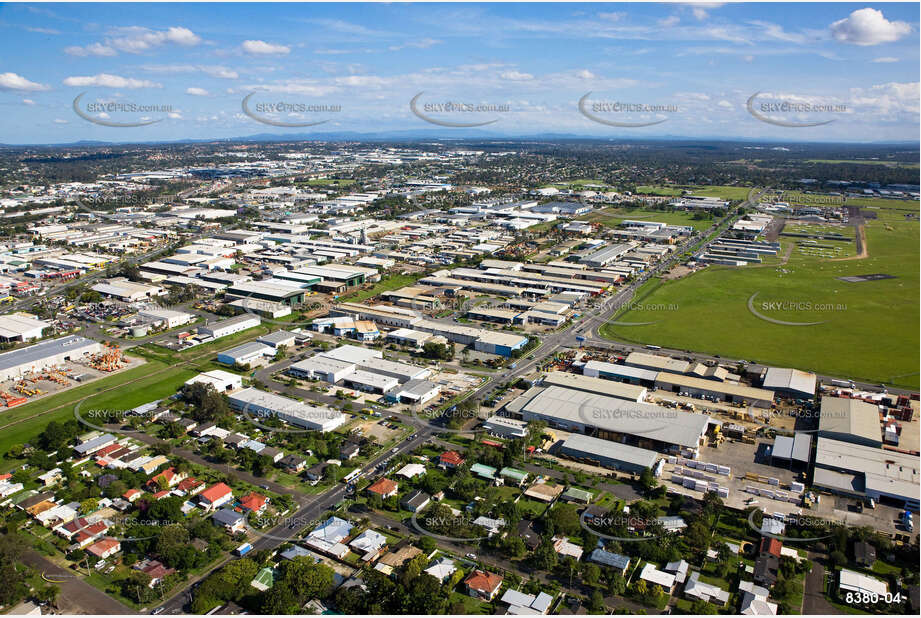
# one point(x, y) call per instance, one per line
point(724, 391)
point(21, 327)
point(850, 420)
point(865, 471)
point(790, 382)
point(230, 326)
point(261, 403)
point(599, 386)
point(642, 424)
point(608, 454)
point(16, 363)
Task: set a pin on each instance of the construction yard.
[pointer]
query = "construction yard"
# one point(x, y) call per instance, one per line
point(53, 380)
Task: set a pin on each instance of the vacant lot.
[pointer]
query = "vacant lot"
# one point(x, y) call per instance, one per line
point(868, 330)
point(612, 217)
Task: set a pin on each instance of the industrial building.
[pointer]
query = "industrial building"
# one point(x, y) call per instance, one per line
point(261, 403)
point(791, 383)
point(505, 427)
point(608, 454)
point(654, 362)
point(723, 391)
point(850, 420)
point(609, 388)
point(860, 471)
point(21, 327)
point(620, 373)
point(167, 317)
point(273, 290)
point(127, 291)
point(501, 344)
point(16, 363)
point(230, 326)
point(417, 392)
point(251, 353)
point(794, 452)
point(644, 424)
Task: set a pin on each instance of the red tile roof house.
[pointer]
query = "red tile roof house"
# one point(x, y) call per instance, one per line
point(105, 548)
point(162, 494)
point(450, 459)
point(169, 475)
point(155, 569)
point(254, 503)
point(132, 494)
point(81, 531)
point(770, 546)
point(191, 486)
point(215, 496)
point(483, 584)
point(383, 488)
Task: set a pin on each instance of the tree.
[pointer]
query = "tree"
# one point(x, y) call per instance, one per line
point(596, 601)
point(591, 573)
point(648, 479)
point(617, 584)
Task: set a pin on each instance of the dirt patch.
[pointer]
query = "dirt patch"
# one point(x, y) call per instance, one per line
point(862, 251)
point(677, 272)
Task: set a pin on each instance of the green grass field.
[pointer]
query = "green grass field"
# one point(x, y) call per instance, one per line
point(326, 182)
point(864, 162)
point(612, 217)
point(150, 381)
point(868, 330)
point(726, 192)
point(386, 284)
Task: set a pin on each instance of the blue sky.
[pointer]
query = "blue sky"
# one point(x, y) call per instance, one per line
point(529, 63)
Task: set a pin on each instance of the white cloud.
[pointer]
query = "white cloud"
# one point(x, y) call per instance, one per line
point(774, 31)
point(198, 92)
point(420, 44)
point(264, 49)
point(136, 40)
point(670, 21)
point(174, 115)
point(106, 80)
point(585, 74)
point(13, 81)
point(890, 98)
point(868, 27)
point(43, 30)
point(93, 49)
point(60, 121)
point(885, 59)
point(724, 104)
point(516, 76)
point(28, 101)
point(699, 13)
point(617, 16)
point(212, 70)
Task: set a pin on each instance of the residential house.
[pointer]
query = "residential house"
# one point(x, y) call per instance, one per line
point(441, 569)
point(254, 503)
point(215, 496)
point(415, 501)
point(292, 464)
point(450, 459)
point(383, 487)
point(230, 520)
point(103, 548)
point(483, 584)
